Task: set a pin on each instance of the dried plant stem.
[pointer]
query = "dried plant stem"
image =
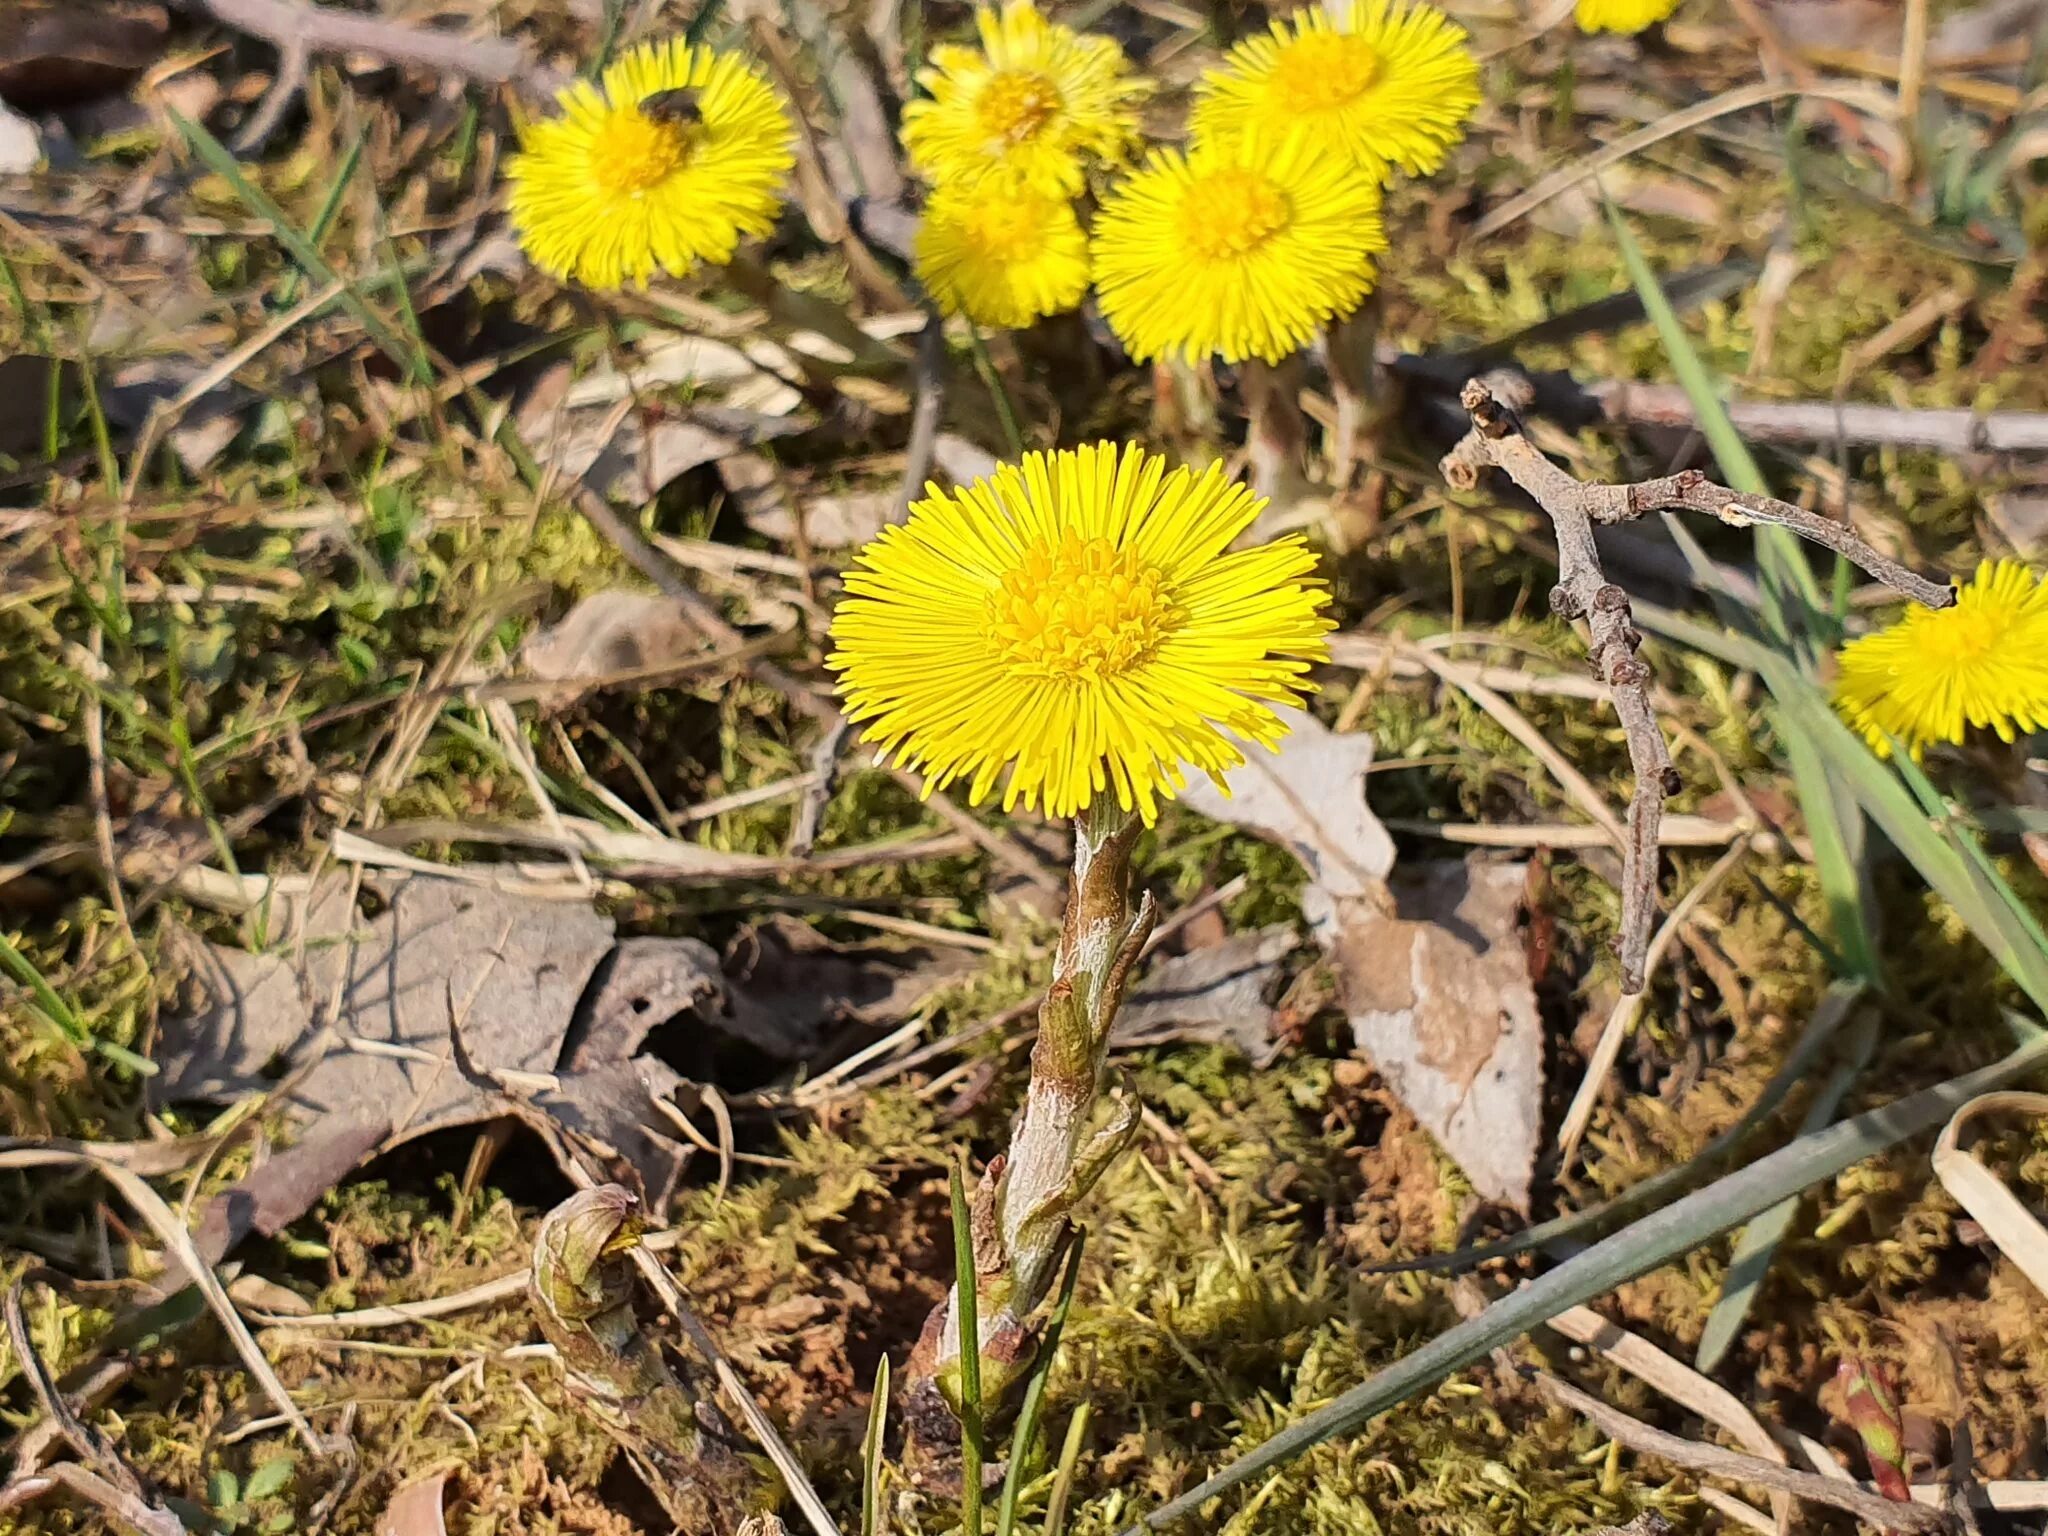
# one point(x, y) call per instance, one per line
point(1022, 1216)
point(1584, 592)
point(1355, 386)
point(1276, 433)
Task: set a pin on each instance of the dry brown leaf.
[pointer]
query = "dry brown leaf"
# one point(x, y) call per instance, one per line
point(1439, 997)
point(514, 971)
point(1433, 972)
point(1309, 797)
point(1219, 994)
point(608, 633)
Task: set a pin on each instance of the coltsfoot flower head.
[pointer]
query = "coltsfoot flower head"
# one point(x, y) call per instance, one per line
point(1001, 255)
point(1982, 662)
point(1622, 15)
point(1392, 84)
point(1244, 247)
point(667, 162)
point(1081, 621)
point(1037, 103)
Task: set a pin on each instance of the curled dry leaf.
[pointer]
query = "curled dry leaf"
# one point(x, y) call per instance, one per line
point(417, 1509)
point(2008, 1223)
point(608, 633)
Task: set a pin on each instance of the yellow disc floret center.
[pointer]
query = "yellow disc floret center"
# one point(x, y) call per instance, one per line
point(1015, 106)
point(633, 153)
point(1232, 212)
point(1965, 635)
point(1319, 71)
point(1080, 610)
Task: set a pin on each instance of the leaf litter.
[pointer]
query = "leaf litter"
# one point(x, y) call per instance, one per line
point(1432, 971)
point(358, 1026)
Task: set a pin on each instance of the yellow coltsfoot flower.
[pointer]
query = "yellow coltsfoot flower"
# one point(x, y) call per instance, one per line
point(1080, 621)
point(1622, 15)
point(1001, 255)
point(1244, 247)
point(1982, 662)
point(1392, 84)
point(1037, 104)
point(669, 161)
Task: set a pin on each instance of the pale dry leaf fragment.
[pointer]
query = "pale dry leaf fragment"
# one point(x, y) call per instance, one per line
point(608, 633)
point(2015, 1230)
point(1219, 994)
point(417, 1509)
point(1309, 797)
point(1439, 998)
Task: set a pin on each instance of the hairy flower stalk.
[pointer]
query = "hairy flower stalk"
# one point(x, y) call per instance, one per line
point(1023, 1210)
point(1078, 630)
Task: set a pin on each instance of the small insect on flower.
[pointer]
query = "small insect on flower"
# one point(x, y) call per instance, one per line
point(681, 105)
point(1391, 82)
point(670, 160)
point(1625, 16)
point(1037, 103)
point(1981, 662)
point(1002, 256)
point(1243, 247)
point(1081, 622)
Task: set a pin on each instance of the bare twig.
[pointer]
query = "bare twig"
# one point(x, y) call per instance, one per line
point(1872, 1508)
point(99, 1476)
point(1951, 430)
point(297, 28)
point(1584, 592)
point(122, 1507)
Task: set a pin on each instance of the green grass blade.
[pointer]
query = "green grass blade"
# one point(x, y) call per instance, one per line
point(967, 1306)
point(1021, 1442)
point(1806, 1051)
point(218, 159)
point(1783, 557)
point(323, 219)
point(1758, 1245)
point(871, 1454)
point(1657, 1239)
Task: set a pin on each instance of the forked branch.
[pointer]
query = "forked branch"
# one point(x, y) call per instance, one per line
point(1583, 591)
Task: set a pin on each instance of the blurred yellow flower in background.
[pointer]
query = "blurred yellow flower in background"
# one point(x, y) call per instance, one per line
point(669, 161)
point(1002, 256)
point(1982, 662)
point(1392, 85)
point(1037, 103)
point(1243, 247)
point(1081, 622)
point(1622, 15)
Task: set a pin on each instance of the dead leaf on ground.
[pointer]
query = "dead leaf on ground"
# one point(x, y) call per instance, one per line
point(1310, 798)
point(1433, 972)
point(417, 1509)
point(539, 986)
point(608, 633)
point(1220, 994)
point(59, 54)
point(789, 983)
point(1439, 997)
